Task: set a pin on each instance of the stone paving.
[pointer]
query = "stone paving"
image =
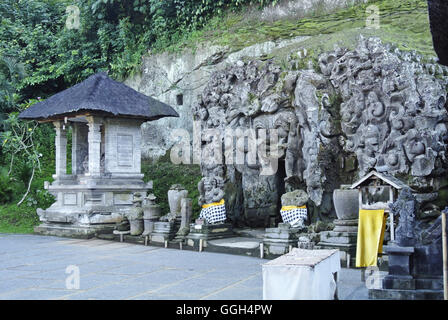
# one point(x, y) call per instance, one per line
point(34, 267)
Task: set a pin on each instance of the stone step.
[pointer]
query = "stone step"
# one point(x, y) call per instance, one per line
point(250, 233)
point(236, 245)
point(385, 294)
point(338, 237)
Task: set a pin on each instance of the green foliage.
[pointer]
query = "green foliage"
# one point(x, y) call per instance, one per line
point(15, 219)
point(403, 22)
point(6, 189)
point(24, 144)
point(164, 174)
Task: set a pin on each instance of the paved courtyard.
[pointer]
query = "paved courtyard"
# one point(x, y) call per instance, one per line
point(39, 267)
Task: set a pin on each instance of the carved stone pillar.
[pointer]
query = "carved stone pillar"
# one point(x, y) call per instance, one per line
point(61, 149)
point(94, 139)
point(79, 146)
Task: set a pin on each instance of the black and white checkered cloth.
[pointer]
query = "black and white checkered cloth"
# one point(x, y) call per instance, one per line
point(292, 216)
point(214, 214)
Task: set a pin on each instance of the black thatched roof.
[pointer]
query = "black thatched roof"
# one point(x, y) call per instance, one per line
point(99, 94)
point(438, 17)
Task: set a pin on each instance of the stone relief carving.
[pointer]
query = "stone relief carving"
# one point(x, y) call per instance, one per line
point(393, 113)
point(373, 107)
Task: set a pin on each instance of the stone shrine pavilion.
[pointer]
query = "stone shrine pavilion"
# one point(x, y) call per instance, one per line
point(105, 117)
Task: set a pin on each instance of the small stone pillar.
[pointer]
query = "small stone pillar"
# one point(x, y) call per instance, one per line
point(175, 195)
point(345, 233)
point(61, 149)
point(79, 146)
point(94, 139)
point(135, 216)
point(166, 228)
point(186, 212)
point(151, 213)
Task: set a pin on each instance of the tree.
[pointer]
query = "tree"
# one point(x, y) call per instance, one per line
point(18, 141)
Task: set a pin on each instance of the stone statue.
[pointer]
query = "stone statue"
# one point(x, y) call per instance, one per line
point(292, 212)
point(123, 225)
point(85, 164)
point(176, 193)
point(135, 216)
point(151, 213)
point(405, 208)
point(210, 190)
point(186, 214)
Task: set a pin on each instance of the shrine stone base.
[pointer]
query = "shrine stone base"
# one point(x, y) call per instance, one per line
point(419, 294)
point(73, 231)
point(164, 231)
point(343, 237)
point(279, 241)
point(207, 232)
point(210, 231)
point(86, 206)
point(400, 284)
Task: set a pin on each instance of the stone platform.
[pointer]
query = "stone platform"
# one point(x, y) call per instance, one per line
point(342, 237)
point(70, 231)
point(381, 294)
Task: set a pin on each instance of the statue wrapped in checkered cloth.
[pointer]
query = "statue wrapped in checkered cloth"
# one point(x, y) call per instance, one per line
point(294, 215)
point(212, 200)
point(214, 212)
point(294, 209)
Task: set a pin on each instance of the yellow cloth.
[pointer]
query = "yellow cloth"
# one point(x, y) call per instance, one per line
point(286, 208)
point(213, 204)
point(372, 224)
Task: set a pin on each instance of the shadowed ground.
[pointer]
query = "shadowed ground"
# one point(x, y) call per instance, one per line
point(33, 267)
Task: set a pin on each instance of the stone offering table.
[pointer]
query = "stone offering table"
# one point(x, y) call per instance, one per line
point(201, 233)
point(399, 276)
point(164, 231)
point(280, 240)
point(302, 275)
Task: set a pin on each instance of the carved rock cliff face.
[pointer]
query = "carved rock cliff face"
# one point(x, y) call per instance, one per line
point(345, 114)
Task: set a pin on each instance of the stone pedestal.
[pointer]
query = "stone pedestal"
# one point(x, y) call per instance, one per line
point(401, 283)
point(186, 212)
point(207, 232)
point(343, 237)
point(136, 227)
point(400, 267)
point(278, 241)
point(164, 231)
point(346, 225)
point(210, 231)
point(151, 214)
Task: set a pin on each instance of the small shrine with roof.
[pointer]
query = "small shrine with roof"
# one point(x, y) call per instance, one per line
point(105, 117)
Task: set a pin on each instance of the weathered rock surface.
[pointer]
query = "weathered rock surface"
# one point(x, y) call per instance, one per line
point(350, 111)
point(178, 78)
point(295, 198)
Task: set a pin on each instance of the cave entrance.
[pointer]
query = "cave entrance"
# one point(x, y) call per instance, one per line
point(281, 175)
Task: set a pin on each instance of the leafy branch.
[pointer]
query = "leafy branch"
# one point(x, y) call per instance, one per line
point(18, 140)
